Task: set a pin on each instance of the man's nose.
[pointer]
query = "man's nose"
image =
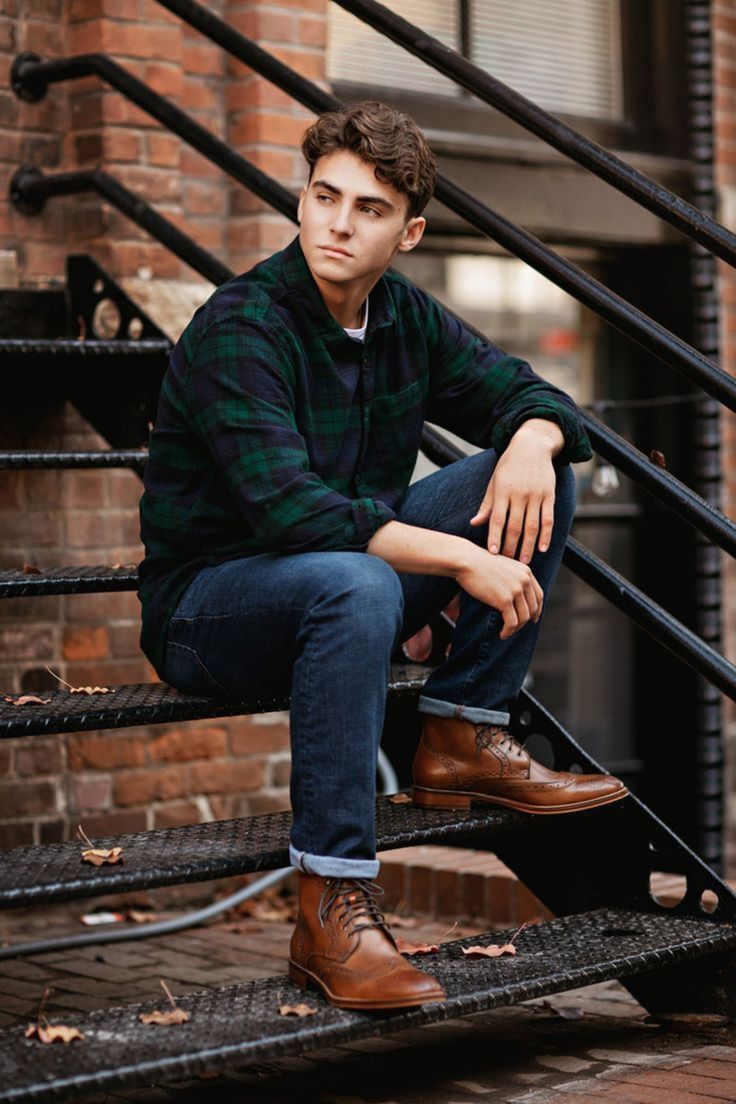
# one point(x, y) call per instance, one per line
point(342, 221)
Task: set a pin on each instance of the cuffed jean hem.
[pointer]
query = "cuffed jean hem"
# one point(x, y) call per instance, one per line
point(463, 712)
point(331, 866)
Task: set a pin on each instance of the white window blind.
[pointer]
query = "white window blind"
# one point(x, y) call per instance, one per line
point(564, 54)
point(357, 53)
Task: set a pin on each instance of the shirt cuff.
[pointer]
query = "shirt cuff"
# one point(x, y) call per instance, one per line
point(369, 514)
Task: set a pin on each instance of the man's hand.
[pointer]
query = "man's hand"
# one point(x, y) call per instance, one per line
point(505, 585)
point(519, 502)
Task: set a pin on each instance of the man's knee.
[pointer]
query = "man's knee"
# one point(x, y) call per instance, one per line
point(366, 588)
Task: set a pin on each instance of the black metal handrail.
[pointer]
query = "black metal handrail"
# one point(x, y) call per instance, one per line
point(625, 178)
point(30, 188)
point(31, 76)
point(16, 459)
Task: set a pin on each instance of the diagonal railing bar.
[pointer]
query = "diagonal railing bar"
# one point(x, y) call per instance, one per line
point(31, 76)
point(639, 607)
point(668, 348)
point(662, 484)
point(30, 188)
point(625, 178)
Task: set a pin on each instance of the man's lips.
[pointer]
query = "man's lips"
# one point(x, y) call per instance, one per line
point(335, 249)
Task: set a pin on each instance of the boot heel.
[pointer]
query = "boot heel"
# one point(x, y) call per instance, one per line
point(297, 975)
point(437, 799)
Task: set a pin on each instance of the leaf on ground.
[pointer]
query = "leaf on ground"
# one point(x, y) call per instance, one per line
point(493, 950)
point(100, 856)
point(164, 1019)
point(407, 948)
point(90, 690)
point(52, 1033)
point(400, 799)
point(140, 916)
point(296, 1010)
point(123, 567)
point(29, 569)
point(27, 699)
point(564, 1011)
point(658, 458)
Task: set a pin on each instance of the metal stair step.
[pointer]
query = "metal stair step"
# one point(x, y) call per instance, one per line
point(67, 580)
point(15, 459)
point(75, 347)
point(148, 703)
point(200, 852)
point(240, 1024)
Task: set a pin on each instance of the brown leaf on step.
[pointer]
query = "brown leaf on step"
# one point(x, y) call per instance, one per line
point(400, 799)
point(408, 948)
point(52, 1033)
point(27, 699)
point(90, 690)
point(658, 458)
point(564, 1011)
point(139, 916)
point(493, 950)
point(123, 567)
point(29, 569)
point(296, 1010)
point(164, 1019)
point(101, 856)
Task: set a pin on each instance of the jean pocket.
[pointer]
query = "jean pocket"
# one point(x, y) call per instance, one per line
point(185, 670)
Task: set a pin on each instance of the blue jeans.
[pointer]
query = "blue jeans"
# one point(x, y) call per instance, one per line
point(322, 626)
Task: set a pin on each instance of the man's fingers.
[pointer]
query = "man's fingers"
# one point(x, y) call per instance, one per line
point(496, 524)
point(510, 621)
point(514, 528)
point(548, 517)
point(531, 529)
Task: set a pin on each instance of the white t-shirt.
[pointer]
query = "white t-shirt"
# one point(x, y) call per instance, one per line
point(359, 334)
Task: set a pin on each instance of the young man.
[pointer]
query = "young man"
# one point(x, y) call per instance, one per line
point(286, 551)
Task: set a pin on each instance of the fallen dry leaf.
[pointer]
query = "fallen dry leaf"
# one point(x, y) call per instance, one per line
point(99, 856)
point(123, 567)
point(52, 1033)
point(658, 458)
point(296, 1010)
point(164, 1019)
point(493, 950)
point(400, 799)
point(90, 690)
point(140, 916)
point(408, 948)
point(29, 569)
point(27, 699)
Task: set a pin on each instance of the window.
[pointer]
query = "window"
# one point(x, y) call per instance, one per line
point(564, 54)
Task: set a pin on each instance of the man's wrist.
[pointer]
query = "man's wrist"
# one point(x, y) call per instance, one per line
point(542, 433)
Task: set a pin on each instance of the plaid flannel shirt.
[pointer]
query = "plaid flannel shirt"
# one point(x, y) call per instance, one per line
point(276, 432)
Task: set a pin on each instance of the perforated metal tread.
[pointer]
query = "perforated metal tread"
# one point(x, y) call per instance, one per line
point(240, 1024)
point(15, 459)
point(148, 703)
point(67, 580)
point(59, 347)
point(195, 853)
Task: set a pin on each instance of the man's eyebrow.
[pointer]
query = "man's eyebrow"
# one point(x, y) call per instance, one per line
point(376, 200)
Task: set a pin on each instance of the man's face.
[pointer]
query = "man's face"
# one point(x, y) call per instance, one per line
point(351, 224)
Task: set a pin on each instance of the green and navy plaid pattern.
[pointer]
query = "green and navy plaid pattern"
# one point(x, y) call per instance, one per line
point(276, 432)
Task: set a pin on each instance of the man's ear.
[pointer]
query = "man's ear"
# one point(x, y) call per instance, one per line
point(300, 208)
point(412, 233)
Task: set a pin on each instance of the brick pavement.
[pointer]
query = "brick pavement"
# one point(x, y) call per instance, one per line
point(587, 1045)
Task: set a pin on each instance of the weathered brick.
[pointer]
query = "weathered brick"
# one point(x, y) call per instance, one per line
point(115, 823)
point(183, 745)
point(281, 772)
point(83, 644)
point(106, 752)
point(6, 760)
point(39, 757)
point(32, 642)
point(164, 150)
point(250, 739)
point(125, 640)
point(26, 798)
point(52, 831)
point(227, 777)
point(175, 815)
point(91, 792)
point(140, 787)
point(16, 835)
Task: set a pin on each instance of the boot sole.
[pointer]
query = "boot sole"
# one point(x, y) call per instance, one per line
point(462, 799)
point(305, 980)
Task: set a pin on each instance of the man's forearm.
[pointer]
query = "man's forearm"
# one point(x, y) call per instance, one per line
point(418, 551)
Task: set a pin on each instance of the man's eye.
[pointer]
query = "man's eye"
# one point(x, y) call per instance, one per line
point(322, 196)
point(369, 210)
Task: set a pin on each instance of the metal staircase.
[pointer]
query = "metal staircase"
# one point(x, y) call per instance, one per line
point(592, 870)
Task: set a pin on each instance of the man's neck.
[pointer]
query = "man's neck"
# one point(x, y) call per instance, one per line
point(346, 305)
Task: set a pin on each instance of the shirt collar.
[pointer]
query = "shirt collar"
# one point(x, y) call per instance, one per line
point(301, 284)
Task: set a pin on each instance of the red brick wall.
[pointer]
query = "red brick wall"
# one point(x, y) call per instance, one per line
point(165, 775)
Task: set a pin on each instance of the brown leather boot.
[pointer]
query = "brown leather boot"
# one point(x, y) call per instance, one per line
point(341, 945)
point(458, 762)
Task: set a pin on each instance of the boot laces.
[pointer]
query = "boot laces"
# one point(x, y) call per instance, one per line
point(490, 735)
point(354, 899)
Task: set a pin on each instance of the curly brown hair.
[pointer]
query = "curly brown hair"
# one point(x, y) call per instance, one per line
point(385, 137)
